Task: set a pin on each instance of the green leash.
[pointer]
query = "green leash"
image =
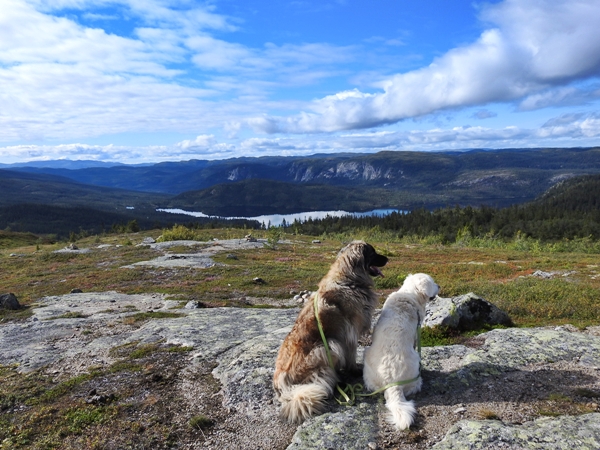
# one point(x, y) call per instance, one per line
point(351, 391)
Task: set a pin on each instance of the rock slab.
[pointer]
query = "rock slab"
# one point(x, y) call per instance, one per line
point(561, 433)
point(243, 343)
point(465, 312)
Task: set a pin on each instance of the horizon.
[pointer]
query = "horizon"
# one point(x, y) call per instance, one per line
point(100, 163)
point(126, 82)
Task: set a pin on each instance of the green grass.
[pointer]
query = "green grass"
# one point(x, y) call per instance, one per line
point(583, 392)
point(559, 404)
point(135, 350)
point(432, 337)
point(145, 316)
point(76, 419)
point(11, 239)
point(63, 388)
point(500, 272)
point(200, 422)
point(70, 315)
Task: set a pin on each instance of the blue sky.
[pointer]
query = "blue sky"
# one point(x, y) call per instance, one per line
point(164, 80)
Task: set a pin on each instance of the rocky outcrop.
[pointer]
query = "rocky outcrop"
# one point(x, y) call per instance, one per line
point(201, 258)
point(561, 433)
point(509, 370)
point(465, 312)
point(9, 301)
point(348, 170)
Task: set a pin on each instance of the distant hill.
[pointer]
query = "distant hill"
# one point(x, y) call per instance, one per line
point(253, 186)
point(494, 177)
point(61, 221)
point(23, 187)
point(50, 204)
point(256, 197)
point(568, 210)
point(580, 195)
point(61, 164)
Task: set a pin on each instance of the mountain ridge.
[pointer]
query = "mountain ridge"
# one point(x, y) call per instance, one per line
point(249, 187)
point(397, 170)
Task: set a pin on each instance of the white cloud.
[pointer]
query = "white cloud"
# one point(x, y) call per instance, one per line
point(216, 54)
point(566, 130)
point(60, 79)
point(534, 47)
point(175, 14)
point(560, 96)
point(572, 126)
point(170, 69)
point(205, 144)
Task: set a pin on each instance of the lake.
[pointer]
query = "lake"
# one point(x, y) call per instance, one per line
point(277, 219)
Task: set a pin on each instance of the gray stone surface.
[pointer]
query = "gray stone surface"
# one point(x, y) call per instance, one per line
point(202, 258)
point(50, 336)
point(350, 429)
point(561, 433)
point(243, 342)
point(515, 347)
point(464, 312)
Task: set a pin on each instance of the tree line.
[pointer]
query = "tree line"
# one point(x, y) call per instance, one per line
point(569, 210)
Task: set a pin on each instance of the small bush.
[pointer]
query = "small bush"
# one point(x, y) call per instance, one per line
point(200, 422)
point(183, 233)
point(274, 235)
point(432, 337)
point(487, 414)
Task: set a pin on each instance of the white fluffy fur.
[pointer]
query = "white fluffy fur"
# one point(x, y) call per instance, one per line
point(392, 356)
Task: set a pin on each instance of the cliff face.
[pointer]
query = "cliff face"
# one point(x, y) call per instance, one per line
point(345, 170)
point(521, 388)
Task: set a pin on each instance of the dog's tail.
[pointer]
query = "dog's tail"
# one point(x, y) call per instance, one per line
point(300, 401)
point(401, 411)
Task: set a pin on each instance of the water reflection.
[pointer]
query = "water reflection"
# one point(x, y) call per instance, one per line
point(277, 219)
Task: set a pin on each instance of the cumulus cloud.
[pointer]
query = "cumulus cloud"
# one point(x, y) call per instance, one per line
point(567, 130)
point(63, 78)
point(118, 153)
point(202, 141)
point(533, 49)
point(562, 96)
point(204, 145)
point(572, 126)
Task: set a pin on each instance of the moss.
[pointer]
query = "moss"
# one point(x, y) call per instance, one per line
point(70, 315)
point(200, 422)
point(145, 316)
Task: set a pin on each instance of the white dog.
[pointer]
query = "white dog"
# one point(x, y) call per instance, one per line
point(392, 356)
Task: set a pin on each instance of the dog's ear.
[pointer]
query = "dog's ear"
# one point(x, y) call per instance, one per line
point(372, 258)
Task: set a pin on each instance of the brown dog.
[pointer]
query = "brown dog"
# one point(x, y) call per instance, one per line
point(303, 378)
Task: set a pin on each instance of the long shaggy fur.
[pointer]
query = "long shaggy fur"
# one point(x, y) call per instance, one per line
point(392, 356)
point(303, 378)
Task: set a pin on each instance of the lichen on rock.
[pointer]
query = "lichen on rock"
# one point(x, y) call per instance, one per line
point(561, 433)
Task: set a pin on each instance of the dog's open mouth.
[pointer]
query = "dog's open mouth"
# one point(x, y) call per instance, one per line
point(374, 271)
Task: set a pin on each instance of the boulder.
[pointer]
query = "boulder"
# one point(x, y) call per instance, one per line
point(465, 312)
point(9, 301)
point(566, 432)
